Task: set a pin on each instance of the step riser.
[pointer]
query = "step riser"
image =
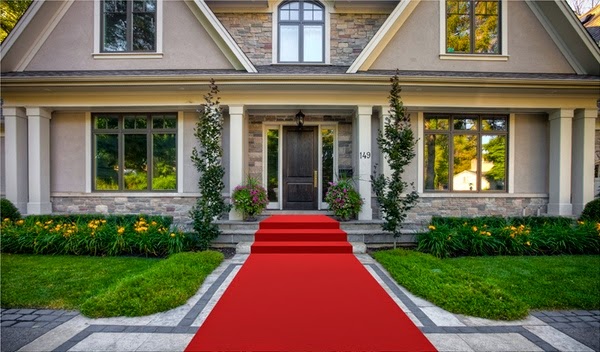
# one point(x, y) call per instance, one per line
point(298, 225)
point(262, 237)
point(301, 250)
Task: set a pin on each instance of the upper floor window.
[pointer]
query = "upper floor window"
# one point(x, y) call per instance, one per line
point(465, 152)
point(129, 25)
point(301, 31)
point(473, 27)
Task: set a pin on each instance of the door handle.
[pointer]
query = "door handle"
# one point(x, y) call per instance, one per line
point(315, 179)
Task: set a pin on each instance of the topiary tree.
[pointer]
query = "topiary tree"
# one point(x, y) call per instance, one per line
point(207, 158)
point(397, 145)
point(591, 211)
point(8, 210)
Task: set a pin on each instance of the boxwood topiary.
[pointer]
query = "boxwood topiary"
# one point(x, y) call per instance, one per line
point(8, 210)
point(591, 212)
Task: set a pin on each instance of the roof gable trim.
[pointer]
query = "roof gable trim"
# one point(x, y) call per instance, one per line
point(383, 36)
point(219, 34)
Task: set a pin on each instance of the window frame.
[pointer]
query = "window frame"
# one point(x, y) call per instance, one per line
point(130, 28)
point(99, 54)
point(479, 133)
point(121, 132)
point(502, 55)
point(300, 24)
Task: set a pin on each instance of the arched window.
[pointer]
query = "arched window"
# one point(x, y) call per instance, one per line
point(301, 31)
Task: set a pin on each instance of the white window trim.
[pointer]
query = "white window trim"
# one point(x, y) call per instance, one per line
point(275, 45)
point(98, 54)
point(503, 56)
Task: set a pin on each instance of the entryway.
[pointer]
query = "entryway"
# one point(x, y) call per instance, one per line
point(300, 168)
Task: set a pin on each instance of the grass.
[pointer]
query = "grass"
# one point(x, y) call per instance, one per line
point(503, 288)
point(103, 286)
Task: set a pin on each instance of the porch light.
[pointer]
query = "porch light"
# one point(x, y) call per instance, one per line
point(300, 118)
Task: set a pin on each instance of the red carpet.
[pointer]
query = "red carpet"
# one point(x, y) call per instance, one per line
point(306, 302)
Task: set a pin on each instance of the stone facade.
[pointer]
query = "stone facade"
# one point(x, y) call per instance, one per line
point(177, 207)
point(253, 32)
point(476, 206)
point(350, 33)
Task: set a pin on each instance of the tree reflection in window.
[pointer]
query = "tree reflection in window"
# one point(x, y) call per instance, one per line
point(478, 146)
point(135, 152)
point(273, 165)
point(327, 169)
point(129, 25)
point(473, 27)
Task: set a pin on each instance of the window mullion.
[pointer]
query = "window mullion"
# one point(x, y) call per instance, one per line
point(130, 25)
point(121, 151)
point(149, 153)
point(451, 155)
point(472, 31)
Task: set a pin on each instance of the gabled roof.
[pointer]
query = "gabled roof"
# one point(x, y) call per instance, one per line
point(565, 29)
point(203, 13)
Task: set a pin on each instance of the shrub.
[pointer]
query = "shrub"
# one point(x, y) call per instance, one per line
point(250, 199)
point(591, 212)
point(343, 199)
point(8, 210)
point(452, 237)
point(92, 235)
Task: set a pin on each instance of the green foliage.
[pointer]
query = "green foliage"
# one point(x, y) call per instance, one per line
point(591, 212)
point(450, 288)
point(453, 237)
point(165, 286)
point(343, 199)
point(10, 13)
point(8, 210)
point(94, 235)
point(211, 204)
point(497, 287)
point(250, 199)
point(103, 286)
point(397, 144)
point(62, 282)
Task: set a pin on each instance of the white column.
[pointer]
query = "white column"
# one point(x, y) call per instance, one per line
point(561, 122)
point(583, 158)
point(236, 152)
point(39, 161)
point(364, 154)
point(15, 124)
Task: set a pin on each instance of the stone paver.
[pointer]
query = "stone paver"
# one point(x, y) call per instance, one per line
point(173, 330)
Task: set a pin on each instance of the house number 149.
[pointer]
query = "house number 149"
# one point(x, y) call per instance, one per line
point(365, 155)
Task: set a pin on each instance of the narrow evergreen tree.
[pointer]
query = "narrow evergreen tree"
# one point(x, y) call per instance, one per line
point(207, 158)
point(397, 145)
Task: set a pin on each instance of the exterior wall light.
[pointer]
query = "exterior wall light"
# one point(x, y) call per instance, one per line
point(300, 118)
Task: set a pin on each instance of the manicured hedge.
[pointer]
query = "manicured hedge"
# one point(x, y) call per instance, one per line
point(453, 237)
point(93, 235)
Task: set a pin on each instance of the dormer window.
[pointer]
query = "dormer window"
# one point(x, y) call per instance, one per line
point(129, 25)
point(473, 27)
point(301, 32)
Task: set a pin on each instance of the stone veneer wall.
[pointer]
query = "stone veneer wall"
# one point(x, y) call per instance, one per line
point(350, 33)
point(476, 206)
point(253, 32)
point(177, 207)
point(255, 139)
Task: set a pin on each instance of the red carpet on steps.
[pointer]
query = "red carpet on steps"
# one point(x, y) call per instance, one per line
point(305, 301)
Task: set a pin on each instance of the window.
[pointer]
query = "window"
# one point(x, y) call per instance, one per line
point(301, 31)
point(129, 25)
point(135, 152)
point(465, 152)
point(473, 27)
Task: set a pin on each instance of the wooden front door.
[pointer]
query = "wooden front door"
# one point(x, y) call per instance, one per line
point(300, 165)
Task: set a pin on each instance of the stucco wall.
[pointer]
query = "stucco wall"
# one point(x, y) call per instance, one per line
point(67, 152)
point(531, 153)
point(416, 46)
point(190, 173)
point(187, 45)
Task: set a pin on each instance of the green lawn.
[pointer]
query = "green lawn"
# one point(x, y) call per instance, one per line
point(103, 286)
point(497, 287)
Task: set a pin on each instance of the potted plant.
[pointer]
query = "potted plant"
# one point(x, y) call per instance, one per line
point(250, 199)
point(343, 199)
